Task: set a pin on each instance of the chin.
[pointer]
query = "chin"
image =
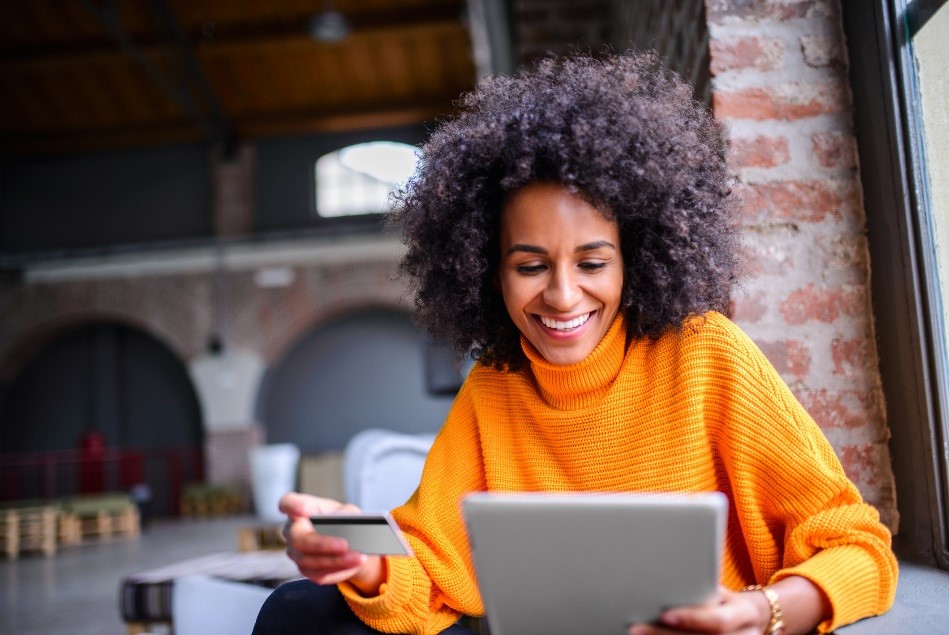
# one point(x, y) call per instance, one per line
point(565, 358)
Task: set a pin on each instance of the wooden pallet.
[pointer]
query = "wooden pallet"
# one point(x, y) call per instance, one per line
point(68, 529)
point(28, 529)
point(201, 500)
point(260, 538)
point(103, 516)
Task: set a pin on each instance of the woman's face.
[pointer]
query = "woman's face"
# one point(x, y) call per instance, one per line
point(561, 270)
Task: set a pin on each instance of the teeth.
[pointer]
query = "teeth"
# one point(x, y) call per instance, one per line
point(565, 326)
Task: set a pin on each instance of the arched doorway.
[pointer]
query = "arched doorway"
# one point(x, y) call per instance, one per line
point(363, 370)
point(103, 385)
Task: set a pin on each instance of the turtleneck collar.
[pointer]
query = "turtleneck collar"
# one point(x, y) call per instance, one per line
point(585, 383)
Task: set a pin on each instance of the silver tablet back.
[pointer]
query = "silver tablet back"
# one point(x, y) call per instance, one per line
point(565, 564)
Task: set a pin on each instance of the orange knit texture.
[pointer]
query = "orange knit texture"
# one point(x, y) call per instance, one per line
point(699, 409)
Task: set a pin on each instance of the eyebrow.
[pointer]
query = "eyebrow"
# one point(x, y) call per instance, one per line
point(534, 249)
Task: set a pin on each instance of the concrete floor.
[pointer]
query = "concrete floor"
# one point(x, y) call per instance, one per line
point(76, 591)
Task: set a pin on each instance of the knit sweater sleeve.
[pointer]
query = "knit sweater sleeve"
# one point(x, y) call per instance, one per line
point(799, 513)
point(430, 591)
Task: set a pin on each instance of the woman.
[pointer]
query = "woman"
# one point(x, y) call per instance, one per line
point(573, 229)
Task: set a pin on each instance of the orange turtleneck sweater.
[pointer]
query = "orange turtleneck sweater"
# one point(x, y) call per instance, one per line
point(699, 409)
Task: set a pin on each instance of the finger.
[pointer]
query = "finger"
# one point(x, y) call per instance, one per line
point(304, 538)
point(298, 505)
point(328, 563)
point(331, 578)
point(330, 569)
point(653, 629)
point(728, 614)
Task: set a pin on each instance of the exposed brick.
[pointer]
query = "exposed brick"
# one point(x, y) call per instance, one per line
point(762, 256)
point(834, 149)
point(748, 308)
point(821, 51)
point(820, 304)
point(842, 409)
point(759, 152)
point(789, 357)
point(809, 201)
point(233, 193)
point(846, 258)
point(759, 53)
point(864, 463)
point(795, 100)
point(756, 10)
point(851, 355)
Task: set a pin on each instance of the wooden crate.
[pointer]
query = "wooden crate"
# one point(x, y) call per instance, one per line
point(28, 529)
point(203, 500)
point(68, 528)
point(260, 538)
point(103, 516)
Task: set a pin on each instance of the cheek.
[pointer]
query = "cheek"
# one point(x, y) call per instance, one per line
point(517, 295)
point(508, 294)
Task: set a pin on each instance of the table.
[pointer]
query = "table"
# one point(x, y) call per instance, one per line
point(145, 597)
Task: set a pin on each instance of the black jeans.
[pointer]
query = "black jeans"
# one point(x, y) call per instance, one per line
point(305, 607)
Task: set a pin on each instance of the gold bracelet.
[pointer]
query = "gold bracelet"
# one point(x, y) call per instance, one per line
point(776, 625)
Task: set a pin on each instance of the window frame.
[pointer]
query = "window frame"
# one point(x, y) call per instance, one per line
point(286, 166)
point(906, 303)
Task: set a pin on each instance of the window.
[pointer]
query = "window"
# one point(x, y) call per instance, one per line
point(359, 178)
point(900, 87)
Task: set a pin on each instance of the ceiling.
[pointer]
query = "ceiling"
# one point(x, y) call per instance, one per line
point(90, 75)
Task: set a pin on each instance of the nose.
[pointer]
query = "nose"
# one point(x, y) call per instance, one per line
point(562, 292)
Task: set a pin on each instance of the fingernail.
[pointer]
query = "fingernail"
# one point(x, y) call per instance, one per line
point(671, 619)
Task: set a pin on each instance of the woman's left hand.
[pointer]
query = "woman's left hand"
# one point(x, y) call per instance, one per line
point(730, 612)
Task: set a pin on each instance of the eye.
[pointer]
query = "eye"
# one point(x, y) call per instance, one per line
point(530, 270)
point(591, 266)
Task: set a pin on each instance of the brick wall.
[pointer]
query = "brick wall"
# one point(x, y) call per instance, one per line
point(178, 308)
point(780, 83)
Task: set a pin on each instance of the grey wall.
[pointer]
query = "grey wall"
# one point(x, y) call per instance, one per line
point(362, 371)
point(91, 201)
point(110, 377)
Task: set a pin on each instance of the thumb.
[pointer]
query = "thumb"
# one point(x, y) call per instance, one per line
point(305, 505)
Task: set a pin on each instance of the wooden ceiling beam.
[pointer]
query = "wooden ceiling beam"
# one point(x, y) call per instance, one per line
point(99, 140)
point(345, 120)
point(241, 41)
point(277, 124)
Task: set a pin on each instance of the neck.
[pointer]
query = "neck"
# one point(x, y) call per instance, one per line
point(582, 384)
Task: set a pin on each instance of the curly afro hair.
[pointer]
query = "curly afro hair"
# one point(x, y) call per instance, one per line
point(621, 132)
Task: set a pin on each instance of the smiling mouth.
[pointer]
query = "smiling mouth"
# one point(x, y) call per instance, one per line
point(569, 325)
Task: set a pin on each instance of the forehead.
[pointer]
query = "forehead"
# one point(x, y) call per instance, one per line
point(549, 210)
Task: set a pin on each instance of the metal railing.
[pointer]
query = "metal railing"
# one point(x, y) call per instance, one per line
point(61, 474)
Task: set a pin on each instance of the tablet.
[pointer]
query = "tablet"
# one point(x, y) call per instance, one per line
point(562, 564)
point(375, 534)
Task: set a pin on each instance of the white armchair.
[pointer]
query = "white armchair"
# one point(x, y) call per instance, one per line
point(202, 605)
point(381, 468)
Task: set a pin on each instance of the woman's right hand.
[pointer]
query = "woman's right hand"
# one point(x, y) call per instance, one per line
point(326, 559)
